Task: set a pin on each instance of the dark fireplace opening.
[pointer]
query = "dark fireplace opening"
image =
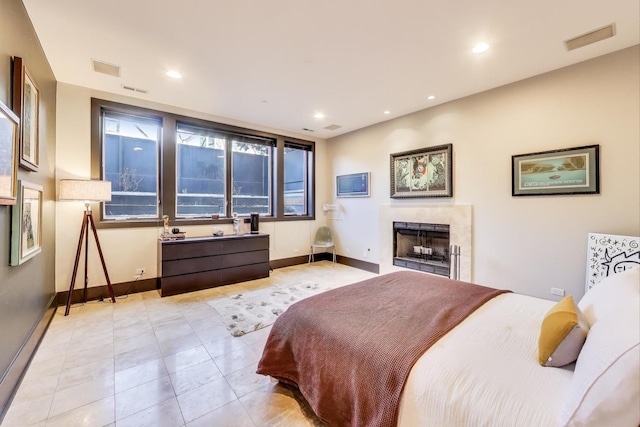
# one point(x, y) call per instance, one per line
point(422, 246)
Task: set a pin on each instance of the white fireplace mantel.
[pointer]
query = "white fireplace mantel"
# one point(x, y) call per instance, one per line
point(459, 218)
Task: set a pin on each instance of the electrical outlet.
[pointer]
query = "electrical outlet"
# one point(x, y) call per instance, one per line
point(140, 271)
point(557, 291)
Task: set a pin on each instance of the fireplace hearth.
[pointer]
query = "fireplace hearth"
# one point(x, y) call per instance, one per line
point(423, 247)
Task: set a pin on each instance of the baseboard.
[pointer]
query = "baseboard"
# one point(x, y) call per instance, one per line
point(10, 382)
point(289, 262)
point(362, 265)
point(326, 256)
point(98, 292)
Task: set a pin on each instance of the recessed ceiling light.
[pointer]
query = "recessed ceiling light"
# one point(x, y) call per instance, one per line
point(430, 97)
point(387, 112)
point(319, 116)
point(480, 48)
point(174, 74)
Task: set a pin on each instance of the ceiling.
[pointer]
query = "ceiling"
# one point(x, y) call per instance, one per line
point(277, 63)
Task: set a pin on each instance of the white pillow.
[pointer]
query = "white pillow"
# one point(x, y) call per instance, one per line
point(605, 387)
point(619, 292)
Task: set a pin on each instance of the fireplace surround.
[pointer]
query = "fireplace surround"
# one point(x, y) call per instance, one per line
point(422, 246)
point(458, 216)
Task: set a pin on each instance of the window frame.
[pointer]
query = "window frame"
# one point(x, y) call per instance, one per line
point(167, 167)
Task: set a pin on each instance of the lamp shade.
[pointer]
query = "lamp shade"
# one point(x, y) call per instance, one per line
point(87, 190)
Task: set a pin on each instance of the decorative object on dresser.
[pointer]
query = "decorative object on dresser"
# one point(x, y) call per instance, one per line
point(87, 191)
point(26, 105)
point(197, 263)
point(547, 173)
point(426, 172)
point(9, 130)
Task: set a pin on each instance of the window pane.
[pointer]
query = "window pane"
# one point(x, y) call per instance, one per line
point(251, 177)
point(295, 181)
point(201, 173)
point(130, 154)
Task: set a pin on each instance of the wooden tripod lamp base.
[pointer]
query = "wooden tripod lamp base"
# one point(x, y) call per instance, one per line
point(98, 191)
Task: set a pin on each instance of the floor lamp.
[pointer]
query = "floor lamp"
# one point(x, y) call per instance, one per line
point(87, 191)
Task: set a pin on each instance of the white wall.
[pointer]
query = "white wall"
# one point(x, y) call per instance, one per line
point(526, 244)
point(130, 248)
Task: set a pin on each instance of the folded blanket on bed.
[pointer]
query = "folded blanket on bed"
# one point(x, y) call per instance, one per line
point(350, 350)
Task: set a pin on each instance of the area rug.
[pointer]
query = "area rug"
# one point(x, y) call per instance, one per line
point(254, 310)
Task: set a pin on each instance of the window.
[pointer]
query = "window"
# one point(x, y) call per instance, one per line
point(201, 172)
point(251, 177)
point(297, 163)
point(130, 162)
point(203, 187)
point(191, 169)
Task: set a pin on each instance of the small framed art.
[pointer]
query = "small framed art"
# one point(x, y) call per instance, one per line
point(426, 172)
point(26, 223)
point(26, 104)
point(353, 185)
point(9, 128)
point(549, 173)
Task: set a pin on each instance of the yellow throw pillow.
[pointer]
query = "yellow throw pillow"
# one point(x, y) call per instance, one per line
point(563, 333)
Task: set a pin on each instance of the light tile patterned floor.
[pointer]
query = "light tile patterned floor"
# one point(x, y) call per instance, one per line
point(151, 361)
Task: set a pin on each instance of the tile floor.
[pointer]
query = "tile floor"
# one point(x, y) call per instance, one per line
point(151, 361)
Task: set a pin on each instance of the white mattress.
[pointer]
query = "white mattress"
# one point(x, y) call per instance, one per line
point(485, 372)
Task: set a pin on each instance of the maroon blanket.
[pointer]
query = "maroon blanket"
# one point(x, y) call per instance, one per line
point(349, 350)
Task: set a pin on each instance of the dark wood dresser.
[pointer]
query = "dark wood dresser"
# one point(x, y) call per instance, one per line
point(205, 262)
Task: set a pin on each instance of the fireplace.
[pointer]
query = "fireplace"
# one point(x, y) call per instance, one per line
point(423, 247)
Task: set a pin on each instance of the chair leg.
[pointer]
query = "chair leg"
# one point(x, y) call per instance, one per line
point(334, 254)
point(310, 254)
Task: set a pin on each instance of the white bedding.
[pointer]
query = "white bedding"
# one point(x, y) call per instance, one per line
point(485, 372)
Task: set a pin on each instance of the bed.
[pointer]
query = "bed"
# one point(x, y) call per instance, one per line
point(481, 367)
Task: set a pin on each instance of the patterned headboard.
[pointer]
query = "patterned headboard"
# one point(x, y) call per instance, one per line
point(609, 254)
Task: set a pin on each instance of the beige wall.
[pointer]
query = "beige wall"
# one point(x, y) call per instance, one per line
point(127, 249)
point(527, 244)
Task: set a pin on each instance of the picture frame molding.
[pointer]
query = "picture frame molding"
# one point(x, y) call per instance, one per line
point(591, 178)
point(407, 191)
point(11, 143)
point(21, 79)
point(18, 253)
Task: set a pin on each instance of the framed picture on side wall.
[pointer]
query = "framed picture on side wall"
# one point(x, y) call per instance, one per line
point(26, 105)
point(426, 172)
point(26, 223)
point(548, 173)
point(9, 128)
point(353, 185)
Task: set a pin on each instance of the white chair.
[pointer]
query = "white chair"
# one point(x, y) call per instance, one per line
point(323, 240)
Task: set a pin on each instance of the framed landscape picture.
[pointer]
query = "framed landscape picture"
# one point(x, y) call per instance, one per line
point(426, 172)
point(353, 185)
point(26, 104)
point(9, 128)
point(26, 223)
point(565, 171)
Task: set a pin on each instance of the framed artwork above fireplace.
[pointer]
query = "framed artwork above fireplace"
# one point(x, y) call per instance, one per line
point(425, 172)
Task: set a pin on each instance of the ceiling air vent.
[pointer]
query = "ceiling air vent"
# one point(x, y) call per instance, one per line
point(135, 89)
point(308, 130)
point(333, 127)
point(591, 37)
point(106, 68)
